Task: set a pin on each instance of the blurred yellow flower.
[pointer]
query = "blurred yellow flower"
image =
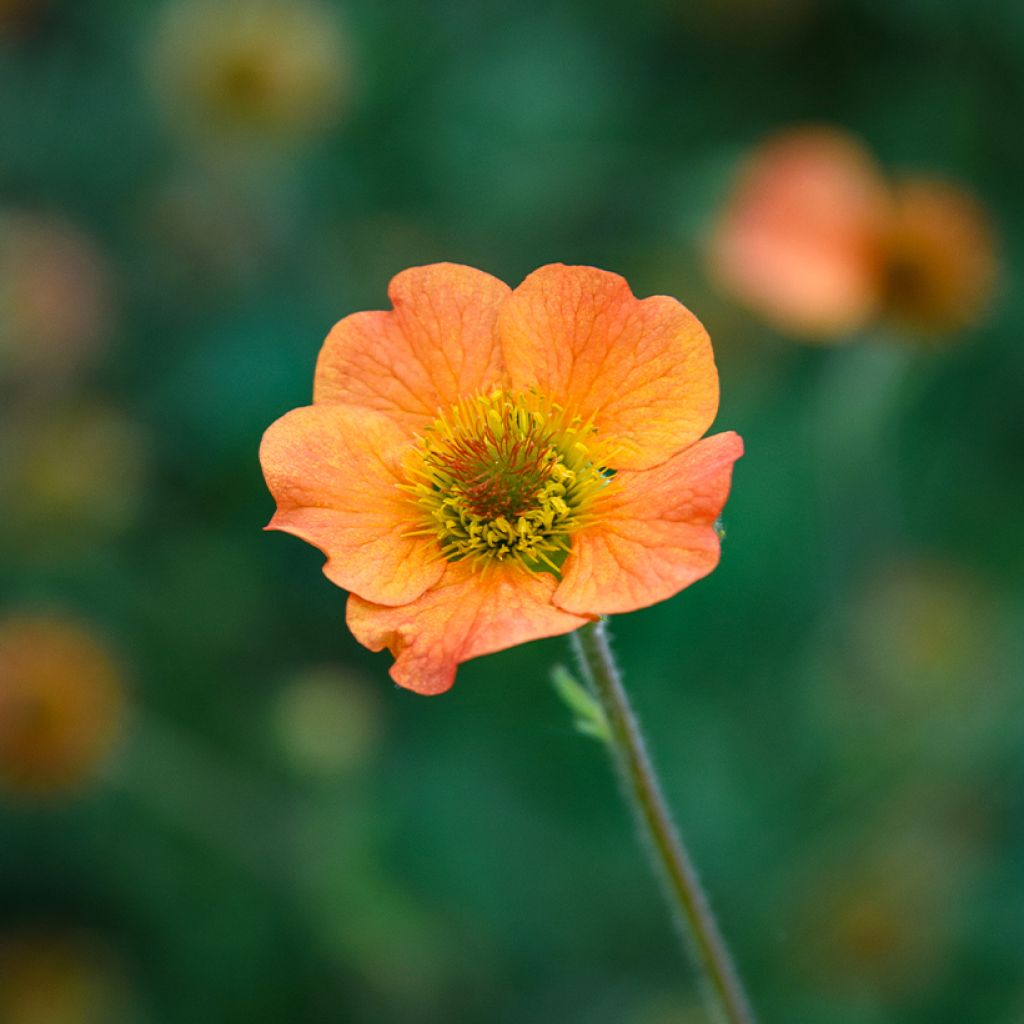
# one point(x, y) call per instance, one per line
point(62, 702)
point(923, 630)
point(328, 721)
point(69, 474)
point(251, 70)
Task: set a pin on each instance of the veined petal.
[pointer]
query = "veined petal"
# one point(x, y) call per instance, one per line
point(436, 345)
point(653, 533)
point(334, 472)
point(641, 368)
point(473, 610)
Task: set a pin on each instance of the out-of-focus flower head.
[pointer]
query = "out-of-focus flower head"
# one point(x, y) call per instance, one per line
point(19, 17)
point(56, 308)
point(924, 630)
point(484, 467)
point(878, 919)
point(919, 663)
point(796, 240)
point(814, 239)
point(62, 701)
point(59, 976)
point(263, 71)
point(70, 475)
point(938, 258)
point(328, 721)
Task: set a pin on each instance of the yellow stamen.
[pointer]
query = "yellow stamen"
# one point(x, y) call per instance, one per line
point(506, 475)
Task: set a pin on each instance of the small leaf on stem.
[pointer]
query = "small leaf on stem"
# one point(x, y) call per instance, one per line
point(588, 716)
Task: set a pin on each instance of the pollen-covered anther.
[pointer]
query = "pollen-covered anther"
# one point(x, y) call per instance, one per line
point(506, 475)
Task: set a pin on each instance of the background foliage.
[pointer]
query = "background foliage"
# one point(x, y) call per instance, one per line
point(281, 835)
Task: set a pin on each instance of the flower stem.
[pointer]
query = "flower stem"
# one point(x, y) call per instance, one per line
point(643, 792)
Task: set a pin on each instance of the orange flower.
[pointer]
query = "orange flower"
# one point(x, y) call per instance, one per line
point(57, 975)
point(484, 467)
point(815, 239)
point(938, 265)
point(61, 705)
point(797, 238)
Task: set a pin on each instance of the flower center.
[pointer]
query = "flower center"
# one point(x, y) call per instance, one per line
point(506, 475)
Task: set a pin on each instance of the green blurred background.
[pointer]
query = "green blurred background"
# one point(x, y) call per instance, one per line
point(278, 834)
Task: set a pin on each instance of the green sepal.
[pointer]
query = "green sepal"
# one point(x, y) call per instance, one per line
point(588, 716)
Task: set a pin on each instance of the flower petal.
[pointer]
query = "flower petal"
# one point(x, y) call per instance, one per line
point(798, 238)
point(334, 471)
point(472, 611)
point(643, 369)
point(437, 344)
point(654, 533)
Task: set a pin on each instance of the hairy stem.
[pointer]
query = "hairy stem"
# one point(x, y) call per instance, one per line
point(643, 792)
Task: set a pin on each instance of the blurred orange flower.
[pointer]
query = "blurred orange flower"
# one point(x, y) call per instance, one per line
point(814, 239)
point(938, 262)
point(61, 704)
point(483, 467)
point(19, 17)
point(54, 975)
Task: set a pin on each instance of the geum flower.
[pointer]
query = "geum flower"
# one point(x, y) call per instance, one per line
point(819, 242)
point(483, 466)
